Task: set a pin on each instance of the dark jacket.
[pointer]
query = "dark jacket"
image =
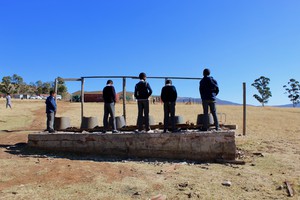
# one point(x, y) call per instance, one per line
point(142, 90)
point(208, 88)
point(168, 94)
point(50, 104)
point(109, 94)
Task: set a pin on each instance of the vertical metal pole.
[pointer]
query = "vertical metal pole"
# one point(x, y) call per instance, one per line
point(244, 109)
point(124, 98)
point(82, 97)
point(55, 87)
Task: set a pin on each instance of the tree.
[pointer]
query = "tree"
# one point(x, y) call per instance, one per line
point(61, 88)
point(293, 91)
point(46, 87)
point(7, 87)
point(39, 87)
point(18, 83)
point(261, 84)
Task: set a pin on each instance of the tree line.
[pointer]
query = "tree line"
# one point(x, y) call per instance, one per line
point(292, 89)
point(15, 85)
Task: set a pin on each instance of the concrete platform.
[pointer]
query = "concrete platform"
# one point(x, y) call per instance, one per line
point(189, 145)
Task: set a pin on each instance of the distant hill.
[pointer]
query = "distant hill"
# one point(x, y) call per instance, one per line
point(179, 99)
point(287, 106)
point(198, 100)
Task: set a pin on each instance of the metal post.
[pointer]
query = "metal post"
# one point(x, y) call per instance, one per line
point(124, 98)
point(55, 87)
point(244, 109)
point(82, 97)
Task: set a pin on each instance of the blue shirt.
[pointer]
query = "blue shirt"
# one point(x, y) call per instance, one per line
point(208, 88)
point(50, 104)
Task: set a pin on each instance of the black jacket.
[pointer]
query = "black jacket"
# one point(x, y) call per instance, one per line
point(109, 94)
point(142, 90)
point(209, 88)
point(168, 93)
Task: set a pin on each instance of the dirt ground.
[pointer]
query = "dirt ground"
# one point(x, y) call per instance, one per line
point(271, 150)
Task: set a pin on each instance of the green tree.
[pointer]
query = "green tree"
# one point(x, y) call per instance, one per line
point(46, 87)
point(39, 87)
point(261, 84)
point(293, 91)
point(61, 87)
point(6, 86)
point(18, 83)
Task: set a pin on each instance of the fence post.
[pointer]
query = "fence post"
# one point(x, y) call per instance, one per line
point(244, 109)
point(124, 98)
point(82, 97)
point(55, 87)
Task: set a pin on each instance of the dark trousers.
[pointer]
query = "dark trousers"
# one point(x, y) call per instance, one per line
point(169, 110)
point(50, 121)
point(212, 106)
point(109, 109)
point(143, 108)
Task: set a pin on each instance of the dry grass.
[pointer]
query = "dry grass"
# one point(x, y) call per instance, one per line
point(275, 132)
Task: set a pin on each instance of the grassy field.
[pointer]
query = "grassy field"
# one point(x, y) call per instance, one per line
point(273, 132)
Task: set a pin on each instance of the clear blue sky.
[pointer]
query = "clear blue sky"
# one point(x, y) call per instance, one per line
point(238, 40)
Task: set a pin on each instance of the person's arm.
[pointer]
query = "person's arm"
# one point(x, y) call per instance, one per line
point(53, 103)
point(162, 95)
point(215, 86)
point(175, 93)
point(149, 90)
point(135, 91)
point(114, 95)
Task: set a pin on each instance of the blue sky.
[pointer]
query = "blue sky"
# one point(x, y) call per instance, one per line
point(238, 40)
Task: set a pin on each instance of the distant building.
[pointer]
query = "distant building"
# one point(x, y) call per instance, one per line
point(92, 96)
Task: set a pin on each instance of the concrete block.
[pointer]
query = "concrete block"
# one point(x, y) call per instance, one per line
point(200, 146)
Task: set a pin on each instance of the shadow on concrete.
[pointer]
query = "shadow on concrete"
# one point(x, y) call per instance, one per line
point(23, 150)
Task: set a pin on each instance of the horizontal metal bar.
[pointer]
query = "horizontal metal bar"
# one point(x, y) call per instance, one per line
point(150, 77)
point(71, 79)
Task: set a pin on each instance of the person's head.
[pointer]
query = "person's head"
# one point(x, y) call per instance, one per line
point(52, 93)
point(142, 76)
point(8, 93)
point(168, 82)
point(206, 72)
point(109, 82)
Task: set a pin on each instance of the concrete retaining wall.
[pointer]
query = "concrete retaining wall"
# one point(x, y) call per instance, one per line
point(199, 146)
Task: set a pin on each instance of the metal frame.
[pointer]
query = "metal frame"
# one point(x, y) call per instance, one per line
point(82, 79)
point(135, 77)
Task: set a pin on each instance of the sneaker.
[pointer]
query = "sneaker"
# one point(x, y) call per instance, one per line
point(103, 131)
point(203, 129)
point(115, 131)
point(51, 131)
point(176, 130)
point(150, 131)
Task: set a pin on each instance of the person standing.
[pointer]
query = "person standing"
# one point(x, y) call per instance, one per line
point(209, 89)
point(109, 96)
point(142, 92)
point(169, 97)
point(8, 100)
point(51, 111)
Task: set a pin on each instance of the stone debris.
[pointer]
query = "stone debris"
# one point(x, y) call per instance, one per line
point(281, 187)
point(227, 183)
point(137, 194)
point(159, 197)
point(183, 185)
